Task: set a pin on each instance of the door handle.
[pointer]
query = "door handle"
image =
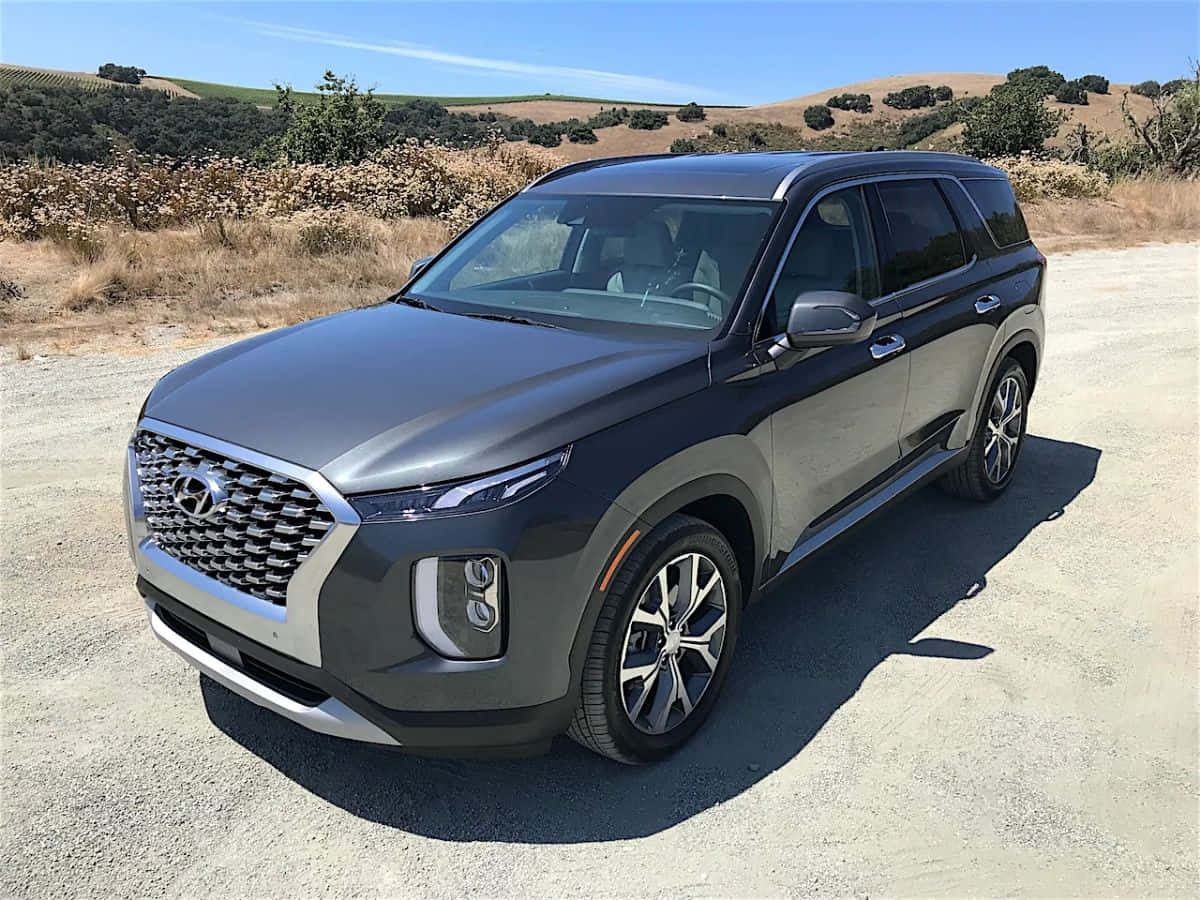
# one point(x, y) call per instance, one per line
point(986, 303)
point(888, 345)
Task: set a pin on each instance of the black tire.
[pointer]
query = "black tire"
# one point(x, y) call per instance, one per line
point(601, 722)
point(970, 480)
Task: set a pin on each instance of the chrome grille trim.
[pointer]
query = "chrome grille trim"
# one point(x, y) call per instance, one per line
point(242, 546)
point(291, 628)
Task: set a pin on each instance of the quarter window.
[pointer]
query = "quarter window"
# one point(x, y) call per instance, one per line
point(832, 251)
point(925, 240)
point(995, 199)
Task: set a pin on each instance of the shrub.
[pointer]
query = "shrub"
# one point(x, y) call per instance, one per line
point(326, 233)
point(38, 199)
point(851, 102)
point(1170, 134)
point(1042, 179)
point(942, 93)
point(122, 74)
point(580, 133)
point(1173, 86)
point(1097, 84)
point(914, 97)
point(346, 126)
point(1010, 119)
point(692, 112)
point(719, 129)
point(647, 119)
point(607, 118)
point(545, 135)
point(1147, 88)
point(1071, 92)
point(684, 145)
point(818, 118)
point(1041, 78)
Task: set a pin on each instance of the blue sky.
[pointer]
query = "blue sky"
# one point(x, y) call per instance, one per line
point(710, 52)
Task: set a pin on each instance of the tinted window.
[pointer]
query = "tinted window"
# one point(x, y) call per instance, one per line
point(925, 237)
point(833, 251)
point(994, 197)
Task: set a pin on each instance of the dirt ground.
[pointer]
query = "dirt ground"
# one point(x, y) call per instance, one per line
point(961, 700)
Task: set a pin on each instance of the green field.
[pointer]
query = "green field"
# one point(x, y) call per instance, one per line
point(266, 96)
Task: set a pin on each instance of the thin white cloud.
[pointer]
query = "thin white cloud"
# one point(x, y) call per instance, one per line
point(562, 79)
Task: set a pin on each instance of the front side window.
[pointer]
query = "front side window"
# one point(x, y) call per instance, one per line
point(925, 241)
point(832, 251)
point(604, 261)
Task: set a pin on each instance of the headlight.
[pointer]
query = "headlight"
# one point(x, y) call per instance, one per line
point(488, 492)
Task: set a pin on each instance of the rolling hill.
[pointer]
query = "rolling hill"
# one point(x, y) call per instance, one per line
point(1102, 115)
point(31, 75)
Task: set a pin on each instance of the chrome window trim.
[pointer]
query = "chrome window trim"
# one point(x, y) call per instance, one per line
point(292, 629)
point(883, 299)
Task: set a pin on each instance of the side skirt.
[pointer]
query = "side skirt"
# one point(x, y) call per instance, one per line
point(925, 469)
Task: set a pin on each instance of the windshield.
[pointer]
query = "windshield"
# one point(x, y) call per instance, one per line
point(582, 260)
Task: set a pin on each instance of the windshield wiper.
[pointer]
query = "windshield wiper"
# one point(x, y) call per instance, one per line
point(413, 301)
point(519, 320)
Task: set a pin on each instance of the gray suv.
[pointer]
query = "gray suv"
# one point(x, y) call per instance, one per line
point(535, 491)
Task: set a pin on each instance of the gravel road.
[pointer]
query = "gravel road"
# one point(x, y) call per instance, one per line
point(997, 700)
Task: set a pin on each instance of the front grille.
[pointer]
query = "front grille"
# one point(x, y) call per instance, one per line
point(255, 543)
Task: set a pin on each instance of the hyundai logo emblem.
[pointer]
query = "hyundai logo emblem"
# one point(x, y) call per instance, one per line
point(199, 492)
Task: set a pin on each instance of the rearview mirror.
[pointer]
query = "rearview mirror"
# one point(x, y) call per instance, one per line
point(419, 264)
point(824, 318)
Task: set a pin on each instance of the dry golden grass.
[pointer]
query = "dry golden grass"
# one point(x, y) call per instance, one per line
point(210, 279)
point(1136, 211)
point(235, 277)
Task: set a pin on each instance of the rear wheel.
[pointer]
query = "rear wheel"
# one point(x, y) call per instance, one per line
point(996, 444)
point(662, 644)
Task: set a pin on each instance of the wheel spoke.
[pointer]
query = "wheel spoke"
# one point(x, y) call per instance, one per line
point(643, 616)
point(701, 642)
point(645, 689)
point(681, 691)
point(696, 595)
point(645, 670)
point(665, 695)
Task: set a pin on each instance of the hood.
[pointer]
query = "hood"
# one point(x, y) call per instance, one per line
point(392, 396)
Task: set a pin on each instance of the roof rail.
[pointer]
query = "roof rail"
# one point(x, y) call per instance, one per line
point(584, 165)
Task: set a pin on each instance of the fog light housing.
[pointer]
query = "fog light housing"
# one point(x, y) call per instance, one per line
point(457, 605)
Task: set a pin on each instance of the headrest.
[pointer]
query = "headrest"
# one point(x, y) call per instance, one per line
point(649, 245)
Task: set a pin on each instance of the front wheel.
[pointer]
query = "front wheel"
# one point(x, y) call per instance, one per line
point(662, 644)
point(996, 444)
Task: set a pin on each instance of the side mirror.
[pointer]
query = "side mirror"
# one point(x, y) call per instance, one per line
point(825, 318)
point(418, 265)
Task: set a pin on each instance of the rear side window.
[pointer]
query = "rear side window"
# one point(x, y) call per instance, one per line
point(995, 199)
point(925, 241)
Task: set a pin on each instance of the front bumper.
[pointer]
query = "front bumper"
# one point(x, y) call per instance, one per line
point(347, 631)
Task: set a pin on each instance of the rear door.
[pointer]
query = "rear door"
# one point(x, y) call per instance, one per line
point(950, 314)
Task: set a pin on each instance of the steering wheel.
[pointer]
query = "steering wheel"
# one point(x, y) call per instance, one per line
point(706, 288)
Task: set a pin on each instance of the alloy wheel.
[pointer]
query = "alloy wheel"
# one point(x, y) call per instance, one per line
point(673, 643)
point(1003, 433)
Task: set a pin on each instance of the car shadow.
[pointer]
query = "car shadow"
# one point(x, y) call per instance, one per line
point(804, 651)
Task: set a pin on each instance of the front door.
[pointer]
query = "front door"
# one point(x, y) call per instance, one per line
point(838, 409)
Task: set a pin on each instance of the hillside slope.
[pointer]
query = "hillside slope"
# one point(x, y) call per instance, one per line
point(1102, 114)
point(32, 75)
